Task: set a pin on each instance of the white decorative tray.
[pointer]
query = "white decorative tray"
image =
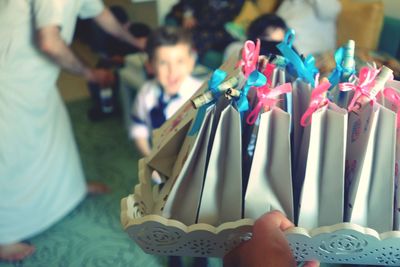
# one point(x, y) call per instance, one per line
point(340, 243)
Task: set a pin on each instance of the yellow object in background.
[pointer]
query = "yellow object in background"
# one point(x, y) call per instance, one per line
point(361, 22)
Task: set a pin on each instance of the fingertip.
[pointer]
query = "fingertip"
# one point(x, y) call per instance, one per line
point(274, 218)
point(311, 264)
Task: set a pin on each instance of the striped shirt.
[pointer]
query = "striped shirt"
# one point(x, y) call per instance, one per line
point(152, 107)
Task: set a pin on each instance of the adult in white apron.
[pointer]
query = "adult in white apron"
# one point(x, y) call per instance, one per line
point(314, 22)
point(41, 177)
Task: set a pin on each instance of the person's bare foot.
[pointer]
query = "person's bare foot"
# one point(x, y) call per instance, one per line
point(96, 188)
point(16, 251)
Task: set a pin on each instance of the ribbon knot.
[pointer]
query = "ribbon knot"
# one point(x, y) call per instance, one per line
point(393, 96)
point(366, 81)
point(256, 79)
point(250, 55)
point(267, 97)
point(216, 79)
point(318, 99)
point(305, 69)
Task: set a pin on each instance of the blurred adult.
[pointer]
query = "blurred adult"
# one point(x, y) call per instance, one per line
point(41, 177)
point(314, 22)
point(206, 19)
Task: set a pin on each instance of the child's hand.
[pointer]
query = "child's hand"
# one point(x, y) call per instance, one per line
point(102, 77)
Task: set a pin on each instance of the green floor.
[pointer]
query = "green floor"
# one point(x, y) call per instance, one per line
point(92, 235)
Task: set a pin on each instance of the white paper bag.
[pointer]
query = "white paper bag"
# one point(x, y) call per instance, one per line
point(270, 181)
point(299, 138)
point(301, 97)
point(370, 162)
point(183, 195)
point(221, 200)
point(322, 195)
point(393, 103)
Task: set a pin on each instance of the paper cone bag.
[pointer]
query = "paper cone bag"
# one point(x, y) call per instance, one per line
point(179, 198)
point(299, 138)
point(270, 181)
point(221, 200)
point(370, 160)
point(322, 194)
point(392, 102)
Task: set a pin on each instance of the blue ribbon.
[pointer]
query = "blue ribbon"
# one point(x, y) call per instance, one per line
point(305, 69)
point(256, 79)
point(336, 75)
point(216, 79)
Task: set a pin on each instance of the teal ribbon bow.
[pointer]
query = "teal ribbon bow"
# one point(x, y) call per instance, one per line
point(305, 69)
point(256, 79)
point(216, 79)
point(336, 76)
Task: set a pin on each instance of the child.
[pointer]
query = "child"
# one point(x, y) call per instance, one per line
point(172, 60)
point(269, 28)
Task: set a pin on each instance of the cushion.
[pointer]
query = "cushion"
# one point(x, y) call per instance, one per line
point(361, 22)
point(247, 14)
point(252, 9)
point(268, 6)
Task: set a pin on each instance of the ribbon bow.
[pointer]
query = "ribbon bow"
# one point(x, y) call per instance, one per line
point(217, 77)
point(267, 97)
point(305, 69)
point(249, 62)
point(366, 81)
point(317, 100)
point(393, 96)
point(268, 72)
point(256, 79)
point(338, 72)
point(250, 55)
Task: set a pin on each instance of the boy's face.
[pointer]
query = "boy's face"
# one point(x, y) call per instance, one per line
point(172, 65)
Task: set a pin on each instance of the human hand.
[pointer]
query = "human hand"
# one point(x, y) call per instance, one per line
point(102, 77)
point(189, 22)
point(267, 247)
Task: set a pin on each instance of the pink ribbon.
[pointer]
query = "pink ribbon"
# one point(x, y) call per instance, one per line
point(267, 97)
point(366, 81)
point(317, 100)
point(250, 53)
point(393, 96)
point(268, 72)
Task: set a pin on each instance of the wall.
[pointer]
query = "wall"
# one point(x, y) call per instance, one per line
point(145, 12)
point(392, 7)
point(163, 7)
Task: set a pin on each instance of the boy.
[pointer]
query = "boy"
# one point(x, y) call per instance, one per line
point(172, 59)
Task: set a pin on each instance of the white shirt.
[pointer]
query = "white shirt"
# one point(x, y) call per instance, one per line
point(41, 177)
point(148, 98)
point(314, 22)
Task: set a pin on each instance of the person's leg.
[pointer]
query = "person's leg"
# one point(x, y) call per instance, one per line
point(96, 188)
point(15, 251)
